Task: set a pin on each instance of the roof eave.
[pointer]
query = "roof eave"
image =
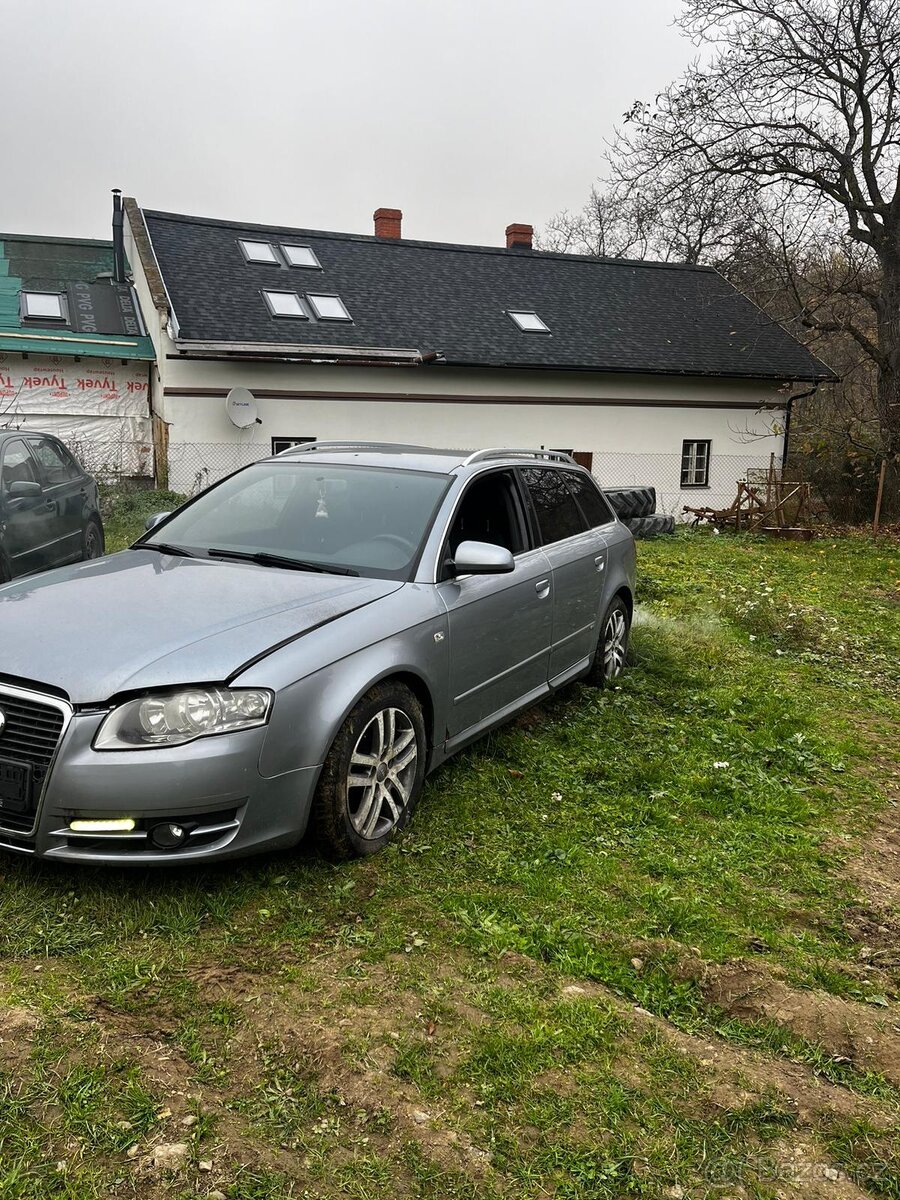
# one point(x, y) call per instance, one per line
point(301, 352)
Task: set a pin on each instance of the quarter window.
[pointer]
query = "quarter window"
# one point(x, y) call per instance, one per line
point(695, 463)
point(590, 500)
point(557, 513)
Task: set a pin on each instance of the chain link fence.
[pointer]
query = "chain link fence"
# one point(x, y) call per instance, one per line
point(193, 466)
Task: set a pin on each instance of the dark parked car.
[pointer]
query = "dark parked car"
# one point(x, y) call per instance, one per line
point(49, 507)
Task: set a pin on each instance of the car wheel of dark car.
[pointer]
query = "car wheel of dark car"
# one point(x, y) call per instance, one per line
point(373, 774)
point(93, 540)
point(612, 645)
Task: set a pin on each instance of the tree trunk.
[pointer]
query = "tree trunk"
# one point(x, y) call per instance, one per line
point(888, 390)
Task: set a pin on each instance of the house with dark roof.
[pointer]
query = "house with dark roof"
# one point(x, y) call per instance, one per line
point(75, 358)
point(649, 372)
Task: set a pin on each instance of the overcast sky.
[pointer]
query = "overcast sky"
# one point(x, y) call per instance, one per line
point(466, 114)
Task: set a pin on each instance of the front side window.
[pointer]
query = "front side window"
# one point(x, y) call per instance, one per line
point(590, 500)
point(558, 516)
point(18, 465)
point(489, 512)
point(44, 306)
point(362, 520)
point(695, 463)
point(55, 463)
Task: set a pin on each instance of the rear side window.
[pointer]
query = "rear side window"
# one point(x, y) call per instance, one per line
point(56, 464)
point(557, 513)
point(590, 500)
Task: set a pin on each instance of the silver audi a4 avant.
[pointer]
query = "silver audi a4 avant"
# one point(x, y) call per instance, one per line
point(298, 646)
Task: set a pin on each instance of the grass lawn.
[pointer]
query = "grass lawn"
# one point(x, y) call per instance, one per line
point(644, 942)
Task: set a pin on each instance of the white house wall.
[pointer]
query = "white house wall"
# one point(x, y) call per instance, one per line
point(634, 426)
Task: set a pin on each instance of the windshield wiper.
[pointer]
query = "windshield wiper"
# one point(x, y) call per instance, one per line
point(165, 548)
point(265, 559)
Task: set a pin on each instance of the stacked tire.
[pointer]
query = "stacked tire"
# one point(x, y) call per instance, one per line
point(635, 507)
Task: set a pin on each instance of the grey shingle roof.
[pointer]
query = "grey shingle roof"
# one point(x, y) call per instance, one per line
point(604, 314)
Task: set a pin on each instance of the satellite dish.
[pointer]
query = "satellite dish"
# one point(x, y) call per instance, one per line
point(240, 406)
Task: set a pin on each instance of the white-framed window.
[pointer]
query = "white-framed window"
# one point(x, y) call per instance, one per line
point(695, 462)
point(528, 322)
point(44, 306)
point(300, 256)
point(258, 252)
point(328, 308)
point(285, 443)
point(285, 304)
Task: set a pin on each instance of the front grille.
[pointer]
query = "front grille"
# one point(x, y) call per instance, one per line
point(30, 735)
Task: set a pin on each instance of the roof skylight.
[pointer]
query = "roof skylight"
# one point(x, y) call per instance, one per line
point(328, 308)
point(529, 322)
point(300, 256)
point(258, 252)
point(285, 304)
point(44, 306)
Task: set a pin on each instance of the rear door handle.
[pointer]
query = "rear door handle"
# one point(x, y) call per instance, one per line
point(600, 562)
point(542, 587)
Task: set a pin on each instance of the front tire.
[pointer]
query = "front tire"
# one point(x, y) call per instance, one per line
point(373, 774)
point(612, 644)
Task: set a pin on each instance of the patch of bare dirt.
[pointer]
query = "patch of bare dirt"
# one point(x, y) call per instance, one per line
point(875, 868)
point(868, 1038)
point(17, 1028)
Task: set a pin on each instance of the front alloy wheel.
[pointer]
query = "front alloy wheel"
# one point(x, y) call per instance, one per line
point(383, 768)
point(373, 773)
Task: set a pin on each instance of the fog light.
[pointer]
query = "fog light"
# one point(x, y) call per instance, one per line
point(111, 825)
point(167, 835)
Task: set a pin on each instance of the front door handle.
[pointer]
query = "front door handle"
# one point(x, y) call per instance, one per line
point(542, 587)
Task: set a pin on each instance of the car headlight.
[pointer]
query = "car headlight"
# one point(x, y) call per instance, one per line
point(172, 718)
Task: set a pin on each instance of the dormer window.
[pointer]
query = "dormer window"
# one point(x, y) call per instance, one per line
point(285, 304)
point(301, 256)
point(528, 322)
point(258, 252)
point(44, 306)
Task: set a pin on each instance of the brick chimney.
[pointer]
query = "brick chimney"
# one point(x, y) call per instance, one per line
point(519, 237)
point(387, 222)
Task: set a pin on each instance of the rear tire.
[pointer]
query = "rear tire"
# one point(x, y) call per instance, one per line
point(611, 654)
point(92, 545)
point(373, 775)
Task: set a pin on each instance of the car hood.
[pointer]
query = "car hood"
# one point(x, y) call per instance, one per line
point(142, 619)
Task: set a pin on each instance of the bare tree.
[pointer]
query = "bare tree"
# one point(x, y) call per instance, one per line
point(798, 100)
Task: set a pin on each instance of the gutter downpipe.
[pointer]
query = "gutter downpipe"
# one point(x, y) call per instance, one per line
point(788, 412)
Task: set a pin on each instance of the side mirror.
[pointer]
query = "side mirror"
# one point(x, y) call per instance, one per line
point(482, 558)
point(155, 519)
point(23, 487)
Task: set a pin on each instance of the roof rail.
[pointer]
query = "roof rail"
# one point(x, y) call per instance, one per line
point(502, 452)
point(306, 447)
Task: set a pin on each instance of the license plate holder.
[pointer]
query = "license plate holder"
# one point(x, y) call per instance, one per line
point(15, 785)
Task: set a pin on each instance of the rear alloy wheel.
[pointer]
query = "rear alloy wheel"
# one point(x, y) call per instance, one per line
point(92, 540)
point(373, 774)
point(612, 645)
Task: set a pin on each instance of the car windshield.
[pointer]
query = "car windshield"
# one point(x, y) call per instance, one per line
point(350, 519)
